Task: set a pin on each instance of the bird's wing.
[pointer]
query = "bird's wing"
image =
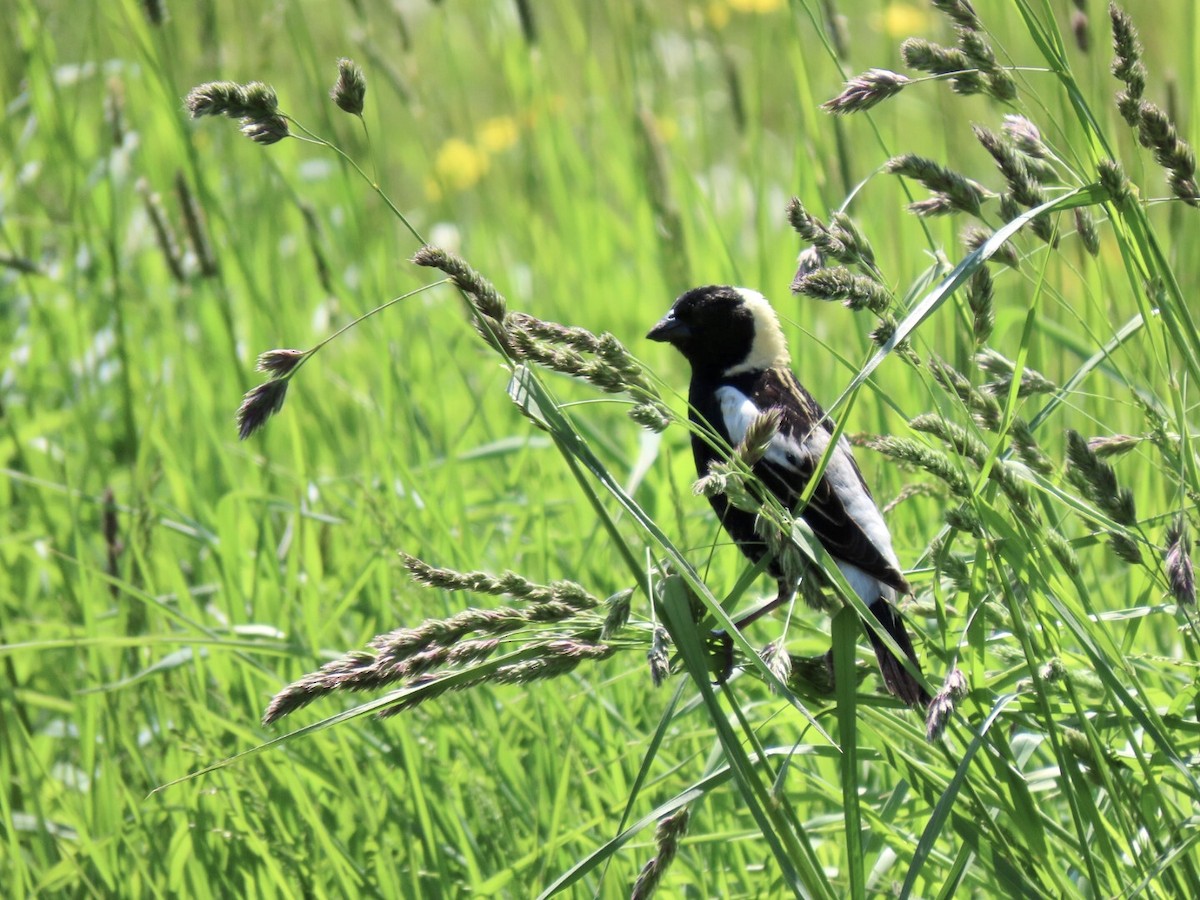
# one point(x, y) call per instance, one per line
point(841, 511)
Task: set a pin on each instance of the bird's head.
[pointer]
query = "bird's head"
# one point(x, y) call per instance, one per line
point(724, 330)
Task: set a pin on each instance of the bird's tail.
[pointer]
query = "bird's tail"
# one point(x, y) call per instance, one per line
point(895, 676)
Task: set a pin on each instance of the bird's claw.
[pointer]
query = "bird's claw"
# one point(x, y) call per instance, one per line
point(723, 656)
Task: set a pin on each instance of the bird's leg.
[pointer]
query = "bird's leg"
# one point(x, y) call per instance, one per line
point(725, 653)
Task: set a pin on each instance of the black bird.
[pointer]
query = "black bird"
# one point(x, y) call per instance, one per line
point(740, 368)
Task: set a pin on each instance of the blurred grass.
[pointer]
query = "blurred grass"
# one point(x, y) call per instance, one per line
point(242, 566)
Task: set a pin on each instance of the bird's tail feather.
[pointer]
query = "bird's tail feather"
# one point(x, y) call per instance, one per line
point(895, 676)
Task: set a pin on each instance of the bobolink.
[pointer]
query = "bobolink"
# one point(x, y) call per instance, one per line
point(740, 369)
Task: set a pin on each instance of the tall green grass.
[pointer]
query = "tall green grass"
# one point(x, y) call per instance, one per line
point(163, 581)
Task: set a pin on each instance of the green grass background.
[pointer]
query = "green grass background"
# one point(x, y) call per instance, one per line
point(243, 566)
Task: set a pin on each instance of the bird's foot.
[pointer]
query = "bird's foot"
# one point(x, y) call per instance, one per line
point(722, 657)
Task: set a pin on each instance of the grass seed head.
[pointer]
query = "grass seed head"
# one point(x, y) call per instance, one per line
point(1113, 445)
point(1127, 64)
point(839, 283)
point(759, 434)
point(259, 404)
point(944, 703)
point(1085, 226)
point(1001, 371)
point(484, 296)
point(350, 89)
point(657, 657)
point(814, 231)
point(267, 131)
point(280, 363)
point(1114, 180)
point(961, 192)
point(667, 835)
point(1180, 574)
point(926, 56)
point(974, 237)
point(979, 298)
point(652, 416)
point(935, 462)
point(960, 12)
point(864, 91)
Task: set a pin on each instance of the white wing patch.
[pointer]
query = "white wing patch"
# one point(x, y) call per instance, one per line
point(796, 455)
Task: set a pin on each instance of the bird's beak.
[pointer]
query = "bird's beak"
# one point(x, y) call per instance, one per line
point(669, 330)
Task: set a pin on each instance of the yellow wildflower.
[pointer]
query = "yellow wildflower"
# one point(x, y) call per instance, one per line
point(756, 6)
point(901, 20)
point(498, 133)
point(459, 165)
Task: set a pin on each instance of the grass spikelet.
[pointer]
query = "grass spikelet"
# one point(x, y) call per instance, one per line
point(570, 336)
point(985, 409)
point(255, 104)
point(960, 13)
point(260, 403)
point(1180, 574)
point(270, 130)
point(979, 299)
point(1023, 186)
point(936, 463)
point(1114, 445)
point(225, 98)
point(759, 434)
point(839, 283)
point(814, 231)
point(1097, 482)
point(667, 835)
point(975, 236)
point(1114, 180)
point(959, 192)
point(1127, 65)
point(508, 584)
point(1027, 138)
point(1002, 370)
point(999, 83)
point(944, 703)
point(858, 248)
point(652, 416)
point(279, 363)
point(620, 605)
point(1063, 551)
point(1157, 132)
point(885, 330)
point(1027, 447)
point(657, 656)
point(926, 56)
point(484, 297)
point(864, 91)
point(349, 91)
point(955, 436)
point(963, 518)
point(1085, 226)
